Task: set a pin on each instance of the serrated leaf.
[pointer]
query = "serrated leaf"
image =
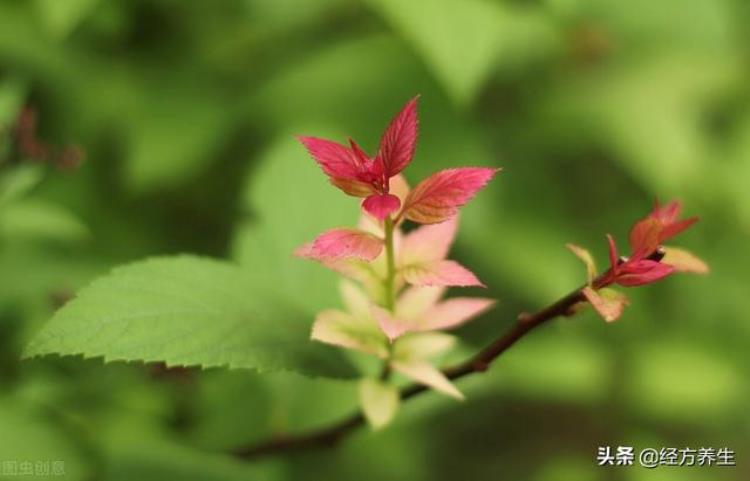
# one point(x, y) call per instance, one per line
point(187, 311)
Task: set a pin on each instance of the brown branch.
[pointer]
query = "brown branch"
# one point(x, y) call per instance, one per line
point(332, 435)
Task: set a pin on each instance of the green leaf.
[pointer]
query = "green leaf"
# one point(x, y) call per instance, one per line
point(165, 148)
point(37, 219)
point(61, 17)
point(186, 311)
point(588, 260)
point(379, 400)
point(17, 182)
point(12, 93)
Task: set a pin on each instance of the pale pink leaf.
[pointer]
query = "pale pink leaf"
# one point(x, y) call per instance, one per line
point(453, 312)
point(342, 244)
point(341, 329)
point(399, 187)
point(416, 301)
point(429, 243)
point(425, 373)
point(399, 140)
point(440, 273)
point(422, 346)
point(607, 302)
point(381, 205)
point(392, 326)
point(439, 197)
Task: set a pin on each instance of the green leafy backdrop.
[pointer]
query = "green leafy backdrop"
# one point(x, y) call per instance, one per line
point(187, 113)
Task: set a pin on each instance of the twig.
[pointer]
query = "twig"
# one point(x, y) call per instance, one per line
point(332, 435)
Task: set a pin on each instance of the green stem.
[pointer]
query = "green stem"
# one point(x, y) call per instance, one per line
point(390, 276)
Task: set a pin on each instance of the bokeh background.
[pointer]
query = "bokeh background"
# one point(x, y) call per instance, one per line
point(166, 126)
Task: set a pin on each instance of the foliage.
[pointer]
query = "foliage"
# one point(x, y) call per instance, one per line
point(187, 113)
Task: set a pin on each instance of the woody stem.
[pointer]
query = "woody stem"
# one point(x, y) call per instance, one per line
point(390, 276)
point(480, 362)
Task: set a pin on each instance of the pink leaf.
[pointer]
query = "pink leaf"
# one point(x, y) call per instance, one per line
point(381, 205)
point(336, 160)
point(399, 140)
point(439, 197)
point(338, 244)
point(667, 215)
point(440, 273)
point(644, 237)
point(392, 326)
point(416, 301)
point(639, 272)
point(429, 243)
point(613, 261)
point(607, 302)
point(454, 312)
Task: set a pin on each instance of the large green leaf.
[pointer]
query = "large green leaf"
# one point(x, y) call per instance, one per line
point(187, 311)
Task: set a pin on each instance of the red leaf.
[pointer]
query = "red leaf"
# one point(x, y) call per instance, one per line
point(640, 272)
point(336, 160)
point(381, 205)
point(399, 140)
point(439, 197)
point(645, 236)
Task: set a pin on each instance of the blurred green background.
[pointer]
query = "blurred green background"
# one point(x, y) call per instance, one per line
point(186, 112)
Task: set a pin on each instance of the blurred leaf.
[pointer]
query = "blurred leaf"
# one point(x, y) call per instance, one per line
point(461, 40)
point(683, 382)
point(29, 438)
point(294, 203)
point(556, 366)
point(650, 114)
point(12, 94)
point(37, 219)
point(60, 17)
point(17, 182)
point(134, 454)
point(380, 401)
point(173, 136)
point(185, 311)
